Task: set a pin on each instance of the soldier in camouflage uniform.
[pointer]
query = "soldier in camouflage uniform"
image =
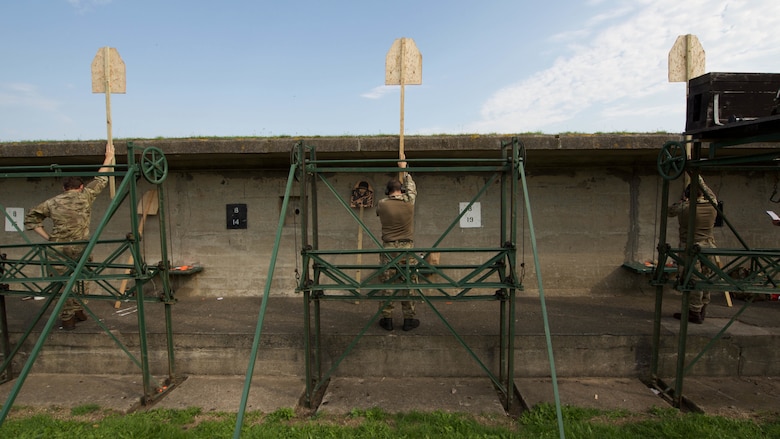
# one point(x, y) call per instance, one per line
point(702, 236)
point(396, 213)
point(70, 213)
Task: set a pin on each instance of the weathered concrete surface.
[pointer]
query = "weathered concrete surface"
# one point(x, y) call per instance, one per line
point(740, 397)
point(266, 153)
point(599, 393)
point(218, 393)
point(591, 336)
point(122, 393)
point(734, 396)
point(595, 206)
point(594, 199)
point(465, 395)
point(600, 345)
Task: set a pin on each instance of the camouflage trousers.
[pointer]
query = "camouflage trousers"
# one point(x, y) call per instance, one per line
point(407, 306)
point(72, 306)
point(698, 299)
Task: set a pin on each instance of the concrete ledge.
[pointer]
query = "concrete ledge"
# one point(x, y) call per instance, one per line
point(736, 397)
point(608, 337)
point(463, 395)
point(274, 152)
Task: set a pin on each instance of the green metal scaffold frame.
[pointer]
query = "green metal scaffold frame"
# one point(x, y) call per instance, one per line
point(762, 265)
point(28, 270)
point(326, 276)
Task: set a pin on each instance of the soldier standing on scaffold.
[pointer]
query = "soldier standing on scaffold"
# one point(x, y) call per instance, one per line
point(71, 214)
point(396, 213)
point(702, 236)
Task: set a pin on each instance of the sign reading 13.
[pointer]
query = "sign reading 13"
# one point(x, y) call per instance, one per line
point(472, 218)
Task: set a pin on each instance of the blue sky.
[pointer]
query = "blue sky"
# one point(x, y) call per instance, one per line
point(316, 67)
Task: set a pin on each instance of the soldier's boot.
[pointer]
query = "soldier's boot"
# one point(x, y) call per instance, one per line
point(410, 324)
point(81, 316)
point(386, 323)
point(693, 317)
point(69, 324)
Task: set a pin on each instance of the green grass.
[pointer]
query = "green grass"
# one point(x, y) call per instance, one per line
point(90, 421)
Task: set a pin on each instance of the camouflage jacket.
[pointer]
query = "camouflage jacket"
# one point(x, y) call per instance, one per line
point(70, 212)
point(705, 215)
point(396, 213)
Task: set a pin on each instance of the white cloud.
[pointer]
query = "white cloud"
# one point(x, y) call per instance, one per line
point(377, 92)
point(26, 114)
point(86, 5)
point(622, 110)
point(26, 96)
point(621, 58)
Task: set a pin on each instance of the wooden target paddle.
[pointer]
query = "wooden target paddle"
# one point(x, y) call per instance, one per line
point(686, 61)
point(108, 76)
point(403, 65)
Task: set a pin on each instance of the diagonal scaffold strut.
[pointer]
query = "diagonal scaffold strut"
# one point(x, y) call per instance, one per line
point(758, 268)
point(28, 270)
point(477, 274)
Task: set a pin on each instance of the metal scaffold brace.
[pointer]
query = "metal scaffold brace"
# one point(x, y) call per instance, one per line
point(744, 269)
point(28, 269)
point(467, 273)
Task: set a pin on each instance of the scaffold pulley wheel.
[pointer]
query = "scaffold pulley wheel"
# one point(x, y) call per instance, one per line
point(671, 160)
point(154, 166)
point(297, 159)
point(522, 152)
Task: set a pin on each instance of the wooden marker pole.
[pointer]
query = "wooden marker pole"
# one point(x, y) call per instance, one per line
point(686, 61)
point(109, 133)
point(148, 205)
point(401, 154)
point(362, 197)
point(108, 76)
point(403, 65)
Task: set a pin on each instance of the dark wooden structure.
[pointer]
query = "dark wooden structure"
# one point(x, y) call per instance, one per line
point(716, 99)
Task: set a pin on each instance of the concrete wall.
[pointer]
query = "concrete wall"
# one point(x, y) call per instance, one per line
point(592, 210)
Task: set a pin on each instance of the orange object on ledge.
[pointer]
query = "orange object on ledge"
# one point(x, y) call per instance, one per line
point(186, 269)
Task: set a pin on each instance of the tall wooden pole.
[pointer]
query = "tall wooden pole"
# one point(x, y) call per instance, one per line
point(686, 61)
point(403, 66)
point(108, 76)
point(401, 154)
point(109, 133)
